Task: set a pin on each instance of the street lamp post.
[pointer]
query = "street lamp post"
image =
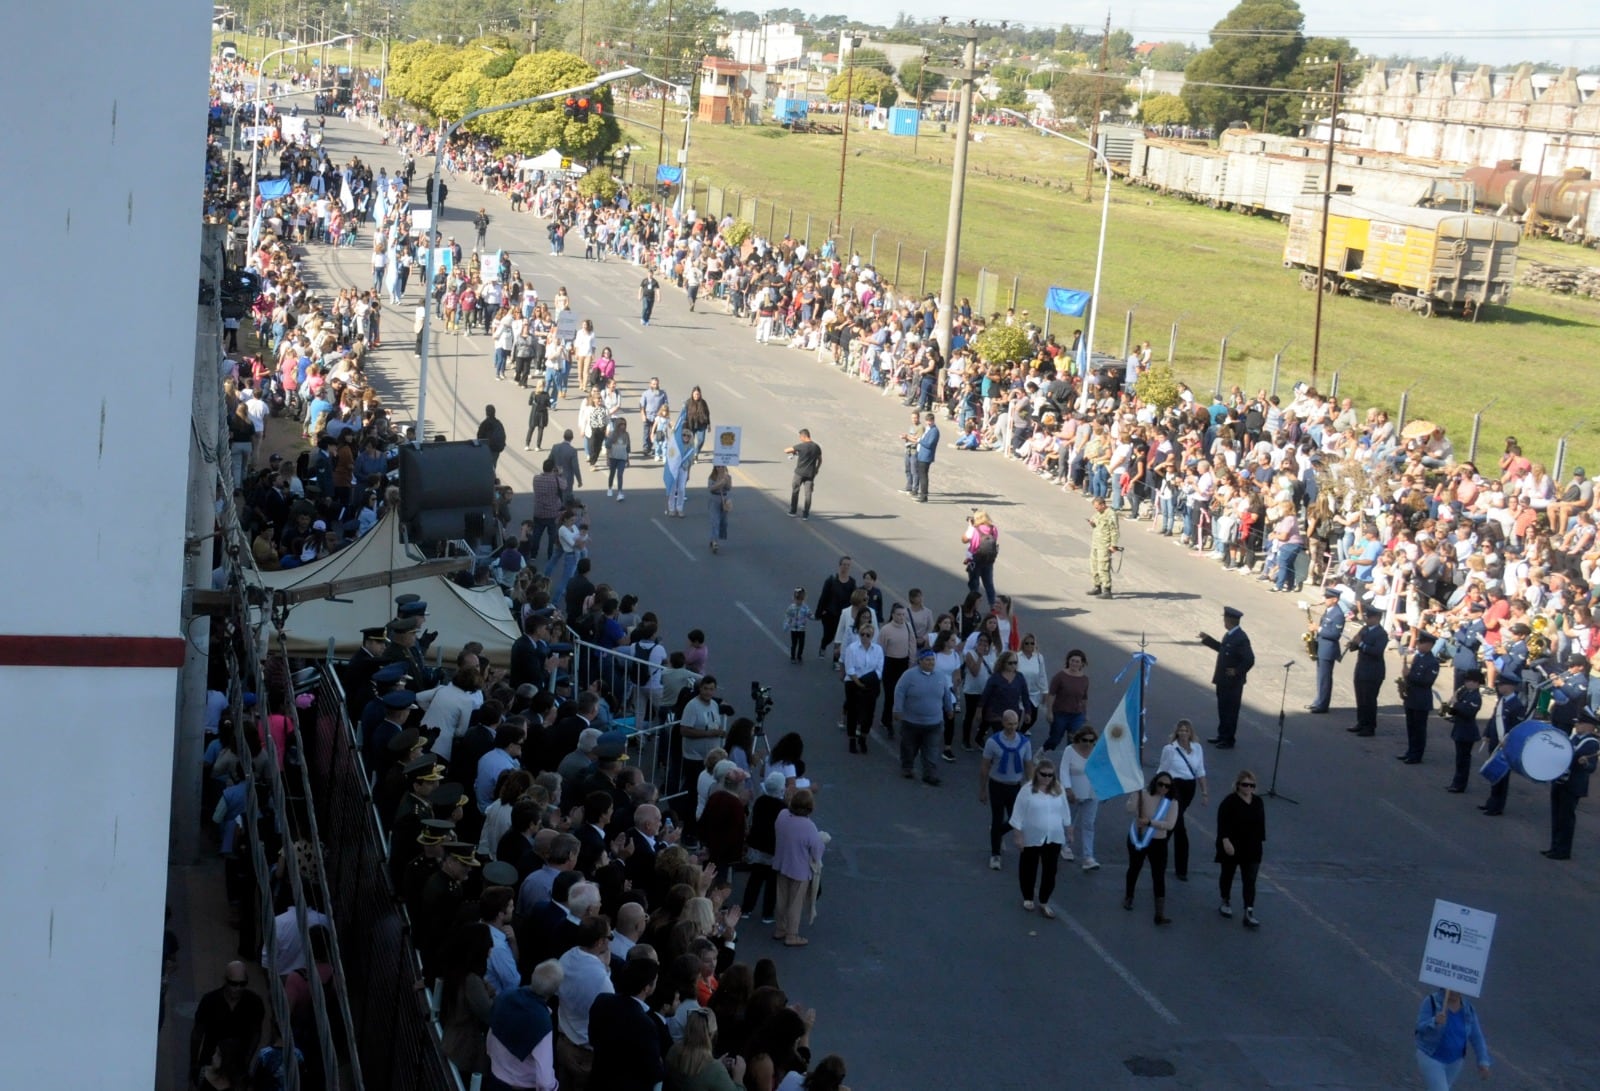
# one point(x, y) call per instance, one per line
point(433, 212)
point(383, 67)
point(683, 154)
point(255, 117)
point(1100, 250)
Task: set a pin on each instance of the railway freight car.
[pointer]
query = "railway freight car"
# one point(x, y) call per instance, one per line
point(1420, 259)
point(1563, 206)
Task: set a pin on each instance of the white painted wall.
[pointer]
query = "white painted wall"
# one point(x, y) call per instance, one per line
point(105, 116)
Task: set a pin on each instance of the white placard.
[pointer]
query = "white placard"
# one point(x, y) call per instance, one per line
point(294, 128)
point(567, 325)
point(421, 220)
point(725, 445)
point(1456, 954)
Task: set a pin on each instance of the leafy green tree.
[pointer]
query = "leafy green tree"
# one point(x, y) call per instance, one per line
point(1170, 57)
point(1157, 388)
point(871, 58)
point(599, 183)
point(1075, 95)
point(1164, 109)
point(931, 81)
point(866, 85)
point(533, 129)
point(1257, 44)
point(1004, 345)
point(1314, 73)
point(1012, 98)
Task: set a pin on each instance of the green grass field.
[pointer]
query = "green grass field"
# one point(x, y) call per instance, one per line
point(1211, 272)
point(368, 53)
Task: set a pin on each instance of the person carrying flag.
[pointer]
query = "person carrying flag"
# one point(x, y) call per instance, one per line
point(675, 468)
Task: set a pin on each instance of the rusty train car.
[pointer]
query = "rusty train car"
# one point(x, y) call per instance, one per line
point(1563, 206)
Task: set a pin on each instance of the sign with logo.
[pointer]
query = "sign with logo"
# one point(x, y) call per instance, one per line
point(567, 325)
point(725, 445)
point(1456, 954)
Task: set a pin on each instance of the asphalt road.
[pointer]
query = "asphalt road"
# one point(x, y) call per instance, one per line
point(923, 968)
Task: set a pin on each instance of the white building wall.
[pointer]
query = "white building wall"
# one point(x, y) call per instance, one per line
point(105, 129)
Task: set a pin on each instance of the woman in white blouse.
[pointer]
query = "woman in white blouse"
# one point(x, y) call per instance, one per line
point(1042, 818)
point(862, 665)
point(1030, 664)
point(1183, 760)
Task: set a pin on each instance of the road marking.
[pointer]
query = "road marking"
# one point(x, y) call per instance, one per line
point(746, 611)
point(674, 353)
point(731, 390)
point(1118, 968)
point(1427, 831)
point(681, 549)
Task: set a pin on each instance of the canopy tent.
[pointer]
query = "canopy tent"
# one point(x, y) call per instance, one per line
point(460, 614)
point(550, 162)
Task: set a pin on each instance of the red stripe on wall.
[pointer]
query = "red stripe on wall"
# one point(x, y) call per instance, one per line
point(91, 651)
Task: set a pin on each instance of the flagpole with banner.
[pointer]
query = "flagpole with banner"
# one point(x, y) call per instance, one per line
point(1115, 765)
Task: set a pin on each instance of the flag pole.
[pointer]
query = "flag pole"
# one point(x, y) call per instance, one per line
point(1139, 681)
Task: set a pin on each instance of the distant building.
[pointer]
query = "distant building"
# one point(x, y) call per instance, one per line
point(771, 44)
point(1476, 116)
point(731, 93)
point(897, 53)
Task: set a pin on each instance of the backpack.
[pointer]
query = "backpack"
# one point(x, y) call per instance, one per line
point(988, 548)
point(639, 667)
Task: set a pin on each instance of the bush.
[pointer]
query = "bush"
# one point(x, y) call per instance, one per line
point(597, 183)
point(1157, 388)
point(1003, 345)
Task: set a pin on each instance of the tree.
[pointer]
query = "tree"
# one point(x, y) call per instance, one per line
point(1315, 73)
point(533, 129)
point(1003, 345)
point(1170, 57)
point(599, 183)
point(1257, 44)
point(1157, 388)
point(870, 58)
point(866, 85)
point(913, 69)
point(1075, 94)
point(1164, 109)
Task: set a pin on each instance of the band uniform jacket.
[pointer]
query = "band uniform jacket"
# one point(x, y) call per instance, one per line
point(1330, 634)
point(1508, 713)
point(1584, 751)
point(1370, 643)
point(1419, 680)
point(1233, 653)
point(1464, 709)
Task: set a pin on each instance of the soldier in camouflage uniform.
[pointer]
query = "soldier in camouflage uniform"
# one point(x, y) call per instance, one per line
point(1105, 539)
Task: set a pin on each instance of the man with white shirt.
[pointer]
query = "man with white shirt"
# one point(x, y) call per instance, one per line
point(701, 726)
point(585, 975)
point(256, 406)
point(631, 919)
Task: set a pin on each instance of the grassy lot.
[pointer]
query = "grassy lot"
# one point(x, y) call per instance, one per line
point(368, 53)
point(1211, 272)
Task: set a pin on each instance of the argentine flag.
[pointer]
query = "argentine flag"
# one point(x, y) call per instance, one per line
point(675, 473)
point(1113, 766)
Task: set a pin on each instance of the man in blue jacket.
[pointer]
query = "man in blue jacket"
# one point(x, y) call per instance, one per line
point(1419, 698)
point(927, 450)
point(1330, 648)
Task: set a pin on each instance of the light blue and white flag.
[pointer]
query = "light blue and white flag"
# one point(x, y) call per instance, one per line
point(675, 472)
point(1113, 767)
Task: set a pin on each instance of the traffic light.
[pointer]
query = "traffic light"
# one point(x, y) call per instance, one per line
point(583, 108)
point(570, 107)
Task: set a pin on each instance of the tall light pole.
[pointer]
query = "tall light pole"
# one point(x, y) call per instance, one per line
point(1100, 250)
point(968, 75)
point(666, 56)
point(433, 212)
point(844, 146)
point(255, 117)
point(383, 67)
point(1327, 202)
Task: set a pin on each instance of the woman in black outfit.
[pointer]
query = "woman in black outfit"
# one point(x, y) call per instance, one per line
point(1241, 832)
point(759, 845)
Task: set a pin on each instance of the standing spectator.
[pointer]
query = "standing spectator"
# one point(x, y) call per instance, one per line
point(797, 857)
point(1241, 833)
point(585, 976)
point(467, 997)
point(230, 1012)
point(629, 1045)
point(759, 846)
point(927, 451)
point(521, 1040)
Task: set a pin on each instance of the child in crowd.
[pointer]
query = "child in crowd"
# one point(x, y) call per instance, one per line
point(796, 619)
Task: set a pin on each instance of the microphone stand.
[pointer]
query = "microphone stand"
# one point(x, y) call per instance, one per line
point(1283, 699)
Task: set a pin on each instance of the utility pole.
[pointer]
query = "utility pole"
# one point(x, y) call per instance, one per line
point(1094, 127)
point(661, 135)
point(916, 132)
point(968, 75)
point(1327, 201)
point(844, 145)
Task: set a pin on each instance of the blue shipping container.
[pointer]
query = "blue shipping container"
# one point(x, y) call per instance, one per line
point(902, 121)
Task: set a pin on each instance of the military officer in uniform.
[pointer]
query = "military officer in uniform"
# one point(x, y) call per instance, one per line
point(1569, 693)
point(385, 717)
point(1330, 648)
point(1572, 786)
point(440, 902)
point(1104, 539)
point(1466, 640)
point(1235, 657)
point(1368, 644)
point(1513, 653)
point(404, 648)
point(1509, 711)
point(422, 774)
point(366, 662)
point(424, 859)
point(1464, 733)
point(1418, 701)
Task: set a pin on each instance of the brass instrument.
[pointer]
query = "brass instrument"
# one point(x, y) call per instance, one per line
point(1539, 640)
point(1401, 686)
point(1310, 635)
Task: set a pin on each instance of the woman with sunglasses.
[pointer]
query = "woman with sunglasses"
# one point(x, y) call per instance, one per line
point(1241, 831)
point(1030, 664)
point(1043, 821)
point(1080, 794)
point(1154, 815)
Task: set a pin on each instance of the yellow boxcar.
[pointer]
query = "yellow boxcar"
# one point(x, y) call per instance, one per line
point(1424, 260)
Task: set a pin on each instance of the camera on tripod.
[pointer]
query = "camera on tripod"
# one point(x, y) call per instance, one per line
point(761, 697)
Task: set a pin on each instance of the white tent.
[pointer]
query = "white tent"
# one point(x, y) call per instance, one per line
point(550, 163)
point(460, 614)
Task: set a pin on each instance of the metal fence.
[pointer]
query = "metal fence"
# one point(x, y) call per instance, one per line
point(391, 1021)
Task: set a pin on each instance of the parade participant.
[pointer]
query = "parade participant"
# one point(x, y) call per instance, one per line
point(1418, 700)
point(1105, 538)
point(1066, 702)
point(1447, 1025)
point(1043, 821)
point(649, 287)
point(1464, 732)
point(1330, 648)
point(834, 598)
point(1509, 711)
point(982, 540)
point(1153, 818)
point(921, 703)
point(1007, 764)
point(1234, 660)
point(1081, 794)
point(862, 666)
point(1368, 644)
point(1571, 786)
point(1184, 760)
point(1241, 831)
point(807, 457)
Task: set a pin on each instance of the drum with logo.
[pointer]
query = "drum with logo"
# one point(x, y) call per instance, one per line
point(1534, 749)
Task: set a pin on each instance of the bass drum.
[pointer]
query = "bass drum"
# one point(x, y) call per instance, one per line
point(1535, 749)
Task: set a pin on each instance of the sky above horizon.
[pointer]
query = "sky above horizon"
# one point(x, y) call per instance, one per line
point(1562, 32)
